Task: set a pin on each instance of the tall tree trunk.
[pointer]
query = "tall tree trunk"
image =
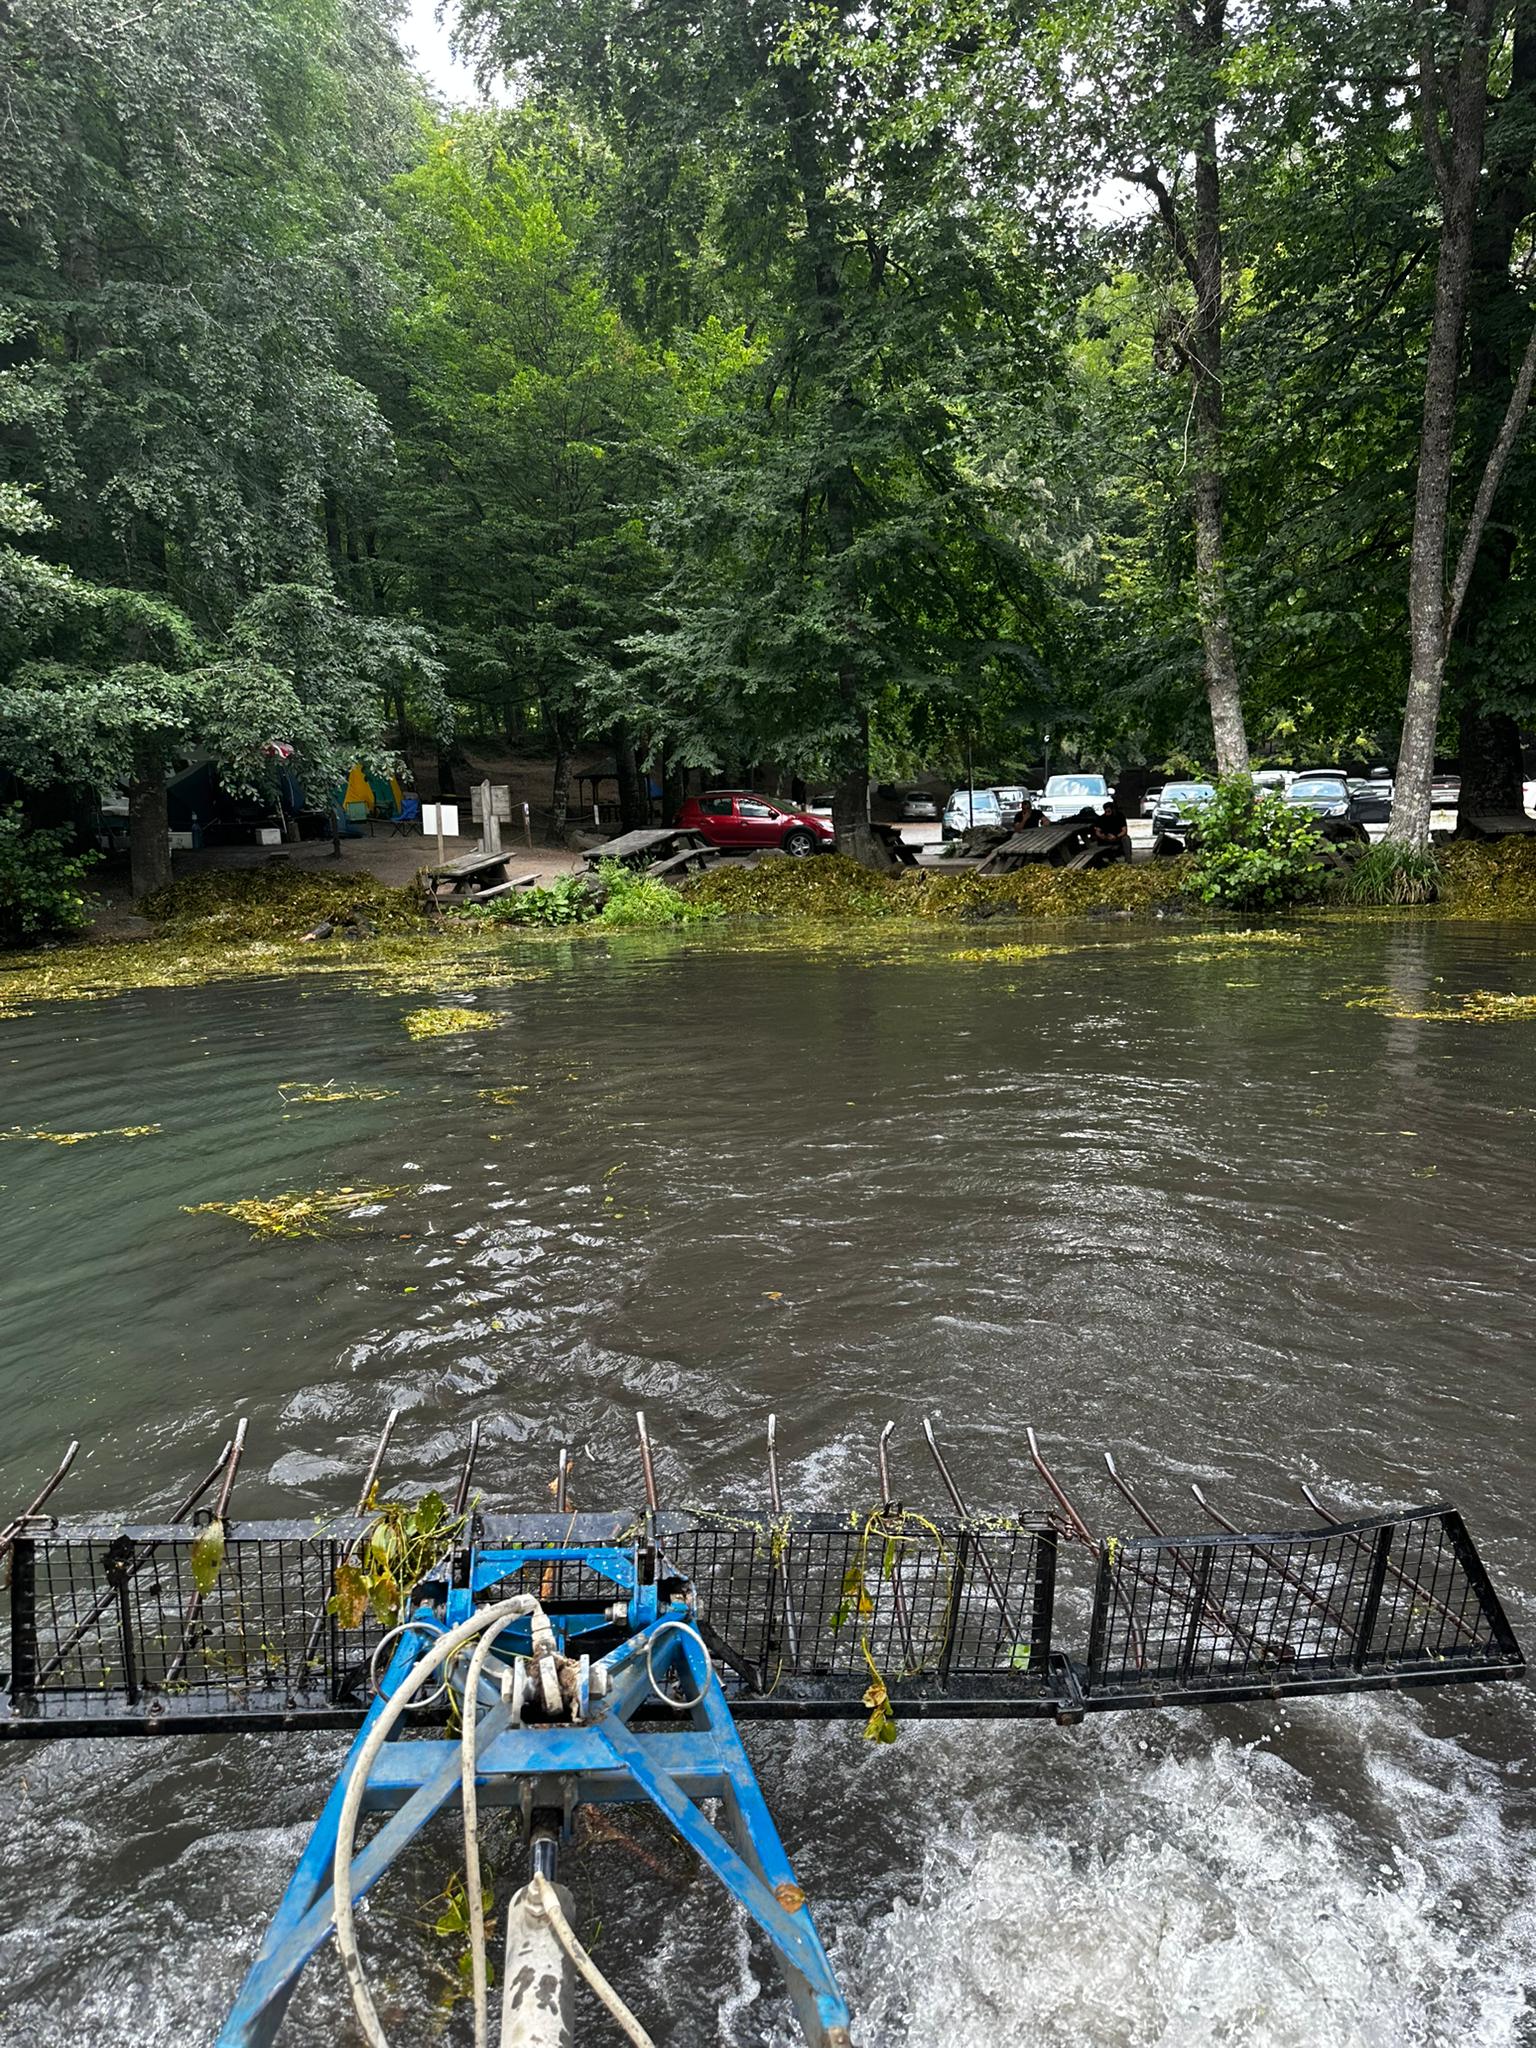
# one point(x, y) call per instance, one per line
point(1498, 323)
point(560, 784)
point(1457, 163)
point(1199, 252)
point(634, 806)
point(1492, 767)
point(850, 796)
point(149, 845)
point(1221, 680)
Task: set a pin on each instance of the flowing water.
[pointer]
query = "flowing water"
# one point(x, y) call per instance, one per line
point(1177, 1199)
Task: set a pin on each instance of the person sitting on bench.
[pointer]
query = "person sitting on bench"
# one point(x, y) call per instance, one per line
point(1111, 829)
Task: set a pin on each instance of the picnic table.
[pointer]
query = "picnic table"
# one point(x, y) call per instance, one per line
point(473, 878)
point(663, 850)
point(1069, 845)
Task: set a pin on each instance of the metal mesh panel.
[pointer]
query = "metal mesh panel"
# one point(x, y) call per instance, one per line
point(819, 1598)
point(109, 1621)
point(1249, 1614)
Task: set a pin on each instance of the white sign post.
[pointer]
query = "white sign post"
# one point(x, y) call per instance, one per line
point(443, 819)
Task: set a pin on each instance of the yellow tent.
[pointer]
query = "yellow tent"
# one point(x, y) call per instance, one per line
point(376, 794)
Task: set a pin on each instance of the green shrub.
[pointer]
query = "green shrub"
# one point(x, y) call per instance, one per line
point(566, 900)
point(1390, 873)
point(1254, 851)
point(39, 893)
point(638, 902)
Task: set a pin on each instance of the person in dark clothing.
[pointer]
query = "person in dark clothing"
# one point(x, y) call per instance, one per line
point(1111, 829)
point(1028, 816)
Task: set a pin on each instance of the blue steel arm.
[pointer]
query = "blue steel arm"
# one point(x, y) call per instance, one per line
point(761, 1864)
point(606, 1760)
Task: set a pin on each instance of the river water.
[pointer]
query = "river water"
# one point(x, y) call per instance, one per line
point(1173, 1198)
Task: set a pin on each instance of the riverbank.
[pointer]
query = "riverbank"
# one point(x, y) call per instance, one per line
point(237, 923)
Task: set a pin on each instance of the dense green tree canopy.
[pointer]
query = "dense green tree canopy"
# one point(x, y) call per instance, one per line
point(763, 384)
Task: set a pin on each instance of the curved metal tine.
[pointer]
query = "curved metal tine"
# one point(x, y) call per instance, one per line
point(1272, 1563)
point(1212, 1606)
point(645, 1462)
point(195, 1604)
point(44, 1493)
point(364, 1496)
point(898, 1596)
point(1075, 1523)
point(1457, 1621)
point(82, 1628)
point(981, 1551)
point(467, 1470)
point(791, 1638)
point(365, 1493)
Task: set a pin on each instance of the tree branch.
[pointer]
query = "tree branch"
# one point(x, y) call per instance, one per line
point(1170, 218)
point(1493, 474)
point(1429, 121)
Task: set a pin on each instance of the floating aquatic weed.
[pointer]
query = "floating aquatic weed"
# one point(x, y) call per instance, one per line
point(1478, 1006)
point(447, 1022)
point(506, 1096)
point(1007, 953)
point(1249, 936)
point(325, 1091)
point(80, 1137)
point(293, 1214)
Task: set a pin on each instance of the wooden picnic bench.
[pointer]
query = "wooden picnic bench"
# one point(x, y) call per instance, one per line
point(472, 878)
point(1057, 845)
point(691, 859)
point(645, 849)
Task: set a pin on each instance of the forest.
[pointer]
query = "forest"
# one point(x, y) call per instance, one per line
point(765, 381)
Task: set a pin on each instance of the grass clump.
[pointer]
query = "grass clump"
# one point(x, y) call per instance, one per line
point(446, 1022)
point(326, 1091)
point(293, 1214)
point(1390, 874)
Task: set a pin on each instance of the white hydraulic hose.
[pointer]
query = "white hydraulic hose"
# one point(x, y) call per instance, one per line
point(547, 1899)
point(446, 1646)
point(468, 1760)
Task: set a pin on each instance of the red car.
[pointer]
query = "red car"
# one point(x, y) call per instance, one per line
point(739, 821)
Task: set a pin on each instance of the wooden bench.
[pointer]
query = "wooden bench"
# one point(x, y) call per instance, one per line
point(502, 889)
point(691, 857)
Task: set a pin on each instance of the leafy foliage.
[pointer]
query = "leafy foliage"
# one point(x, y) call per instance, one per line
point(1254, 851)
point(40, 897)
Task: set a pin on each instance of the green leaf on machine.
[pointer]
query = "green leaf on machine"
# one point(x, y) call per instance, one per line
point(207, 1556)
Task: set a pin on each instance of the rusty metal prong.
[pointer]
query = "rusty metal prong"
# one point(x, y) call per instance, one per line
point(898, 1595)
point(1130, 1494)
point(1272, 1563)
point(83, 1627)
point(376, 1465)
point(885, 1467)
point(563, 1481)
point(44, 1493)
point(981, 1549)
point(645, 1462)
point(1457, 1621)
point(1076, 1526)
point(791, 1638)
point(221, 1509)
point(467, 1469)
point(1213, 1607)
point(1312, 1501)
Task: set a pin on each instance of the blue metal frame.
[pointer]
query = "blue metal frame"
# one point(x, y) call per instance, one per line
point(604, 1760)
